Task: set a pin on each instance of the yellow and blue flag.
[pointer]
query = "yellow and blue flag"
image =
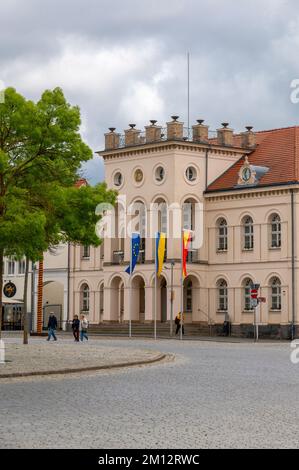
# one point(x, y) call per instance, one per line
point(135, 247)
point(160, 251)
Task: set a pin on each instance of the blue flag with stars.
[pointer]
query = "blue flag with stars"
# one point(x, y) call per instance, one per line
point(135, 246)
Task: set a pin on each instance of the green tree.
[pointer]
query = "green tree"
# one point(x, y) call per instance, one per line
point(41, 152)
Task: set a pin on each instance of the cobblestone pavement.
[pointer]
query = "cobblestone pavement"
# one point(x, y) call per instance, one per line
point(212, 395)
point(65, 354)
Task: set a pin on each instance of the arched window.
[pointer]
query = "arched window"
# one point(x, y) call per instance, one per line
point(275, 286)
point(275, 235)
point(222, 235)
point(248, 233)
point(85, 298)
point(222, 295)
point(247, 294)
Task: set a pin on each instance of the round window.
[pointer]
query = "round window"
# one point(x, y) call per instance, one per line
point(191, 173)
point(138, 175)
point(159, 173)
point(118, 179)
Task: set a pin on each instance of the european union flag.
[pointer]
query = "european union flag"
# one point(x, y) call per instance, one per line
point(135, 247)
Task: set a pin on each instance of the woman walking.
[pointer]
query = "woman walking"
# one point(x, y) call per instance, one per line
point(83, 328)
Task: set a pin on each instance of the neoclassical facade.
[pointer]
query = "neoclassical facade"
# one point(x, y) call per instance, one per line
point(238, 193)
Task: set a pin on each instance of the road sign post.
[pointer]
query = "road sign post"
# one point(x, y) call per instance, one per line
point(254, 303)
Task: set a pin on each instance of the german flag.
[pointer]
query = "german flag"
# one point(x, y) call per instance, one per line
point(186, 241)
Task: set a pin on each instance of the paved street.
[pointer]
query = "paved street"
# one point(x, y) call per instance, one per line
point(211, 395)
point(65, 355)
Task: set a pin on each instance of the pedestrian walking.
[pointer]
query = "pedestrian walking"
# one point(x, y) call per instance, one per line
point(83, 328)
point(76, 327)
point(52, 325)
point(177, 321)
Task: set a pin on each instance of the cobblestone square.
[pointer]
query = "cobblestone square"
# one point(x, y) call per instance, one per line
point(212, 395)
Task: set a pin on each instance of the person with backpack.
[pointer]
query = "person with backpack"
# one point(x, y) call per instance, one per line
point(76, 327)
point(83, 328)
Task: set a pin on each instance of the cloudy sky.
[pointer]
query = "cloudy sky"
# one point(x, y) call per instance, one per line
point(125, 61)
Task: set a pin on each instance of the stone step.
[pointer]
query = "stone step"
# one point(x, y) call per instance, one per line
point(144, 329)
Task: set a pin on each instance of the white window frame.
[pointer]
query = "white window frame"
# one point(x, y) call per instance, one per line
point(222, 295)
point(222, 238)
point(22, 266)
point(247, 306)
point(275, 286)
point(11, 267)
point(275, 231)
point(86, 252)
point(85, 298)
point(248, 233)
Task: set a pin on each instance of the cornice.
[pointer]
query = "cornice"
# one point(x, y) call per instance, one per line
point(170, 145)
point(251, 193)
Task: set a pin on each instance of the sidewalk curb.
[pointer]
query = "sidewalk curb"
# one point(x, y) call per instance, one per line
point(13, 375)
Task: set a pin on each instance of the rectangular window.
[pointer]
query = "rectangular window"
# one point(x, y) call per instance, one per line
point(223, 299)
point(248, 237)
point(222, 239)
point(247, 298)
point(86, 252)
point(22, 266)
point(276, 236)
point(276, 298)
point(11, 267)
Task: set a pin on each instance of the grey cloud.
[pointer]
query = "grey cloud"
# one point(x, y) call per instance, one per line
point(123, 61)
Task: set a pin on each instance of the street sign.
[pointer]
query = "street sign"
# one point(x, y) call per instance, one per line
point(254, 290)
point(262, 299)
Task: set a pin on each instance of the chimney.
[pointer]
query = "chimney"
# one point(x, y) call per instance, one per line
point(132, 135)
point(111, 139)
point(175, 129)
point(225, 135)
point(248, 138)
point(152, 132)
point(200, 132)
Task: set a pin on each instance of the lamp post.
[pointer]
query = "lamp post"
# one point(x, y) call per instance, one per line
point(172, 263)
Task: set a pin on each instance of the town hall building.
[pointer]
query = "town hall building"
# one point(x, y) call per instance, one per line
point(246, 188)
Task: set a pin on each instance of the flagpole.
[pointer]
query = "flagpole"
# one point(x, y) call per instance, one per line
point(182, 284)
point(130, 293)
point(155, 293)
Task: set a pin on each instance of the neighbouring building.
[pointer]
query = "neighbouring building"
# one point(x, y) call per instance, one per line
point(247, 185)
point(55, 291)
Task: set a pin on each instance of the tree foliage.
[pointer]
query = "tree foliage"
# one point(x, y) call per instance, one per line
point(41, 153)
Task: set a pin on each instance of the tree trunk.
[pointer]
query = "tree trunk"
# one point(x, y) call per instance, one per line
point(1, 287)
point(40, 296)
point(25, 310)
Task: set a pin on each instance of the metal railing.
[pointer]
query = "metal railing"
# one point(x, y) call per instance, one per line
point(187, 137)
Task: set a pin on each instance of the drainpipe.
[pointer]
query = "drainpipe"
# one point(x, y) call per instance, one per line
point(206, 183)
point(293, 263)
point(32, 323)
point(68, 280)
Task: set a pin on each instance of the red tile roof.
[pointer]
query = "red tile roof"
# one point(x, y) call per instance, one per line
point(81, 182)
point(277, 149)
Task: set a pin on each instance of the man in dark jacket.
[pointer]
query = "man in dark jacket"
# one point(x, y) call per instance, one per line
point(52, 325)
point(76, 327)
